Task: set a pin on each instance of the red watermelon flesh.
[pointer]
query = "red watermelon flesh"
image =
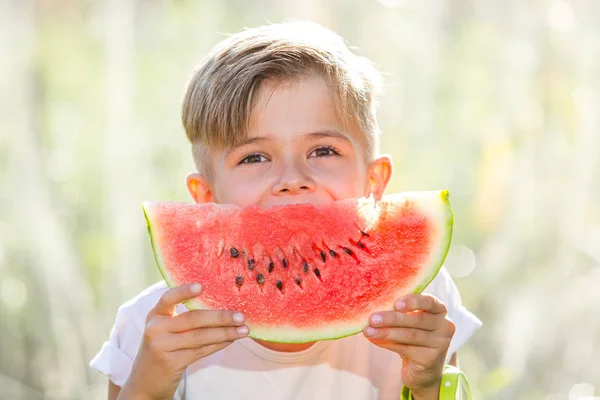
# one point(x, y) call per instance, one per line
point(303, 272)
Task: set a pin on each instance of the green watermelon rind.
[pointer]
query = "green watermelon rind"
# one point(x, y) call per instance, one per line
point(443, 251)
point(345, 328)
point(157, 257)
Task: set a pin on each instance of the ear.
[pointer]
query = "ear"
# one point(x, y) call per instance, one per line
point(199, 187)
point(379, 175)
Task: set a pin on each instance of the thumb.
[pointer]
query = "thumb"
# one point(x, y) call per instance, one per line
point(172, 297)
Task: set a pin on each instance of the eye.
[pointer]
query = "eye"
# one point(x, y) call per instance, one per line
point(253, 159)
point(324, 151)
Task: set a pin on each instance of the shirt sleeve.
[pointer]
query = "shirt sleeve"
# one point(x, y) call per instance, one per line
point(467, 323)
point(115, 358)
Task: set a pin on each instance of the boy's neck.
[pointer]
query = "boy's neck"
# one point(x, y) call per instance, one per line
point(284, 347)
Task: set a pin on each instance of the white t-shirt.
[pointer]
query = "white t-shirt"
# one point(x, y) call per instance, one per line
point(348, 368)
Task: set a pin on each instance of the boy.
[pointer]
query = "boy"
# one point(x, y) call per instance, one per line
point(277, 115)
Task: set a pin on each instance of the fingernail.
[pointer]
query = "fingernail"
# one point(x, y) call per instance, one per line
point(376, 319)
point(196, 288)
point(242, 330)
point(400, 305)
point(370, 331)
point(238, 317)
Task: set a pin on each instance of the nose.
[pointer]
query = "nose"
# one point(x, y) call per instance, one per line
point(293, 181)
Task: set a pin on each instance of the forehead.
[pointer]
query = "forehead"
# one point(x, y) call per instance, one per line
point(300, 106)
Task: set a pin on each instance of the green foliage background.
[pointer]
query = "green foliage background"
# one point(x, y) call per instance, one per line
point(496, 100)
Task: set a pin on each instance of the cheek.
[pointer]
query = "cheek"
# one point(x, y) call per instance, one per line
point(345, 182)
point(239, 189)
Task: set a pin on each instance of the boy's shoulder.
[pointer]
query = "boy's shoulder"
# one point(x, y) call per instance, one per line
point(444, 288)
point(150, 295)
point(136, 309)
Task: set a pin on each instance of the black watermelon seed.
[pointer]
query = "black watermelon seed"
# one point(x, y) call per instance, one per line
point(239, 280)
point(305, 266)
point(284, 261)
point(364, 233)
point(260, 279)
point(362, 246)
point(279, 285)
point(251, 264)
point(323, 256)
point(318, 273)
point(298, 280)
point(333, 253)
point(347, 250)
point(271, 266)
point(234, 252)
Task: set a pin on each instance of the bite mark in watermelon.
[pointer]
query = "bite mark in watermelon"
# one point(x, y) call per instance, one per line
point(302, 272)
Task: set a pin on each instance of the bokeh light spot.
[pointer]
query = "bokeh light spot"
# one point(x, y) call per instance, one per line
point(561, 16)
point(13, 292)
point(460, 261)
point(582, 391)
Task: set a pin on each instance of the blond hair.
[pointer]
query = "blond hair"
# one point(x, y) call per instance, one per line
point(222, 90)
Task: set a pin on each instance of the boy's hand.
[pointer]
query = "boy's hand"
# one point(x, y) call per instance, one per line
point(172, 342)
point(420, 332)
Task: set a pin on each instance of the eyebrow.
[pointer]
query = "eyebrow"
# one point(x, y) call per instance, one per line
point(312, 135)
point(245, 142)
point(330, 134)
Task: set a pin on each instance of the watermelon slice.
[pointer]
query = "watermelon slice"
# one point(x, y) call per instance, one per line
point(302, 272)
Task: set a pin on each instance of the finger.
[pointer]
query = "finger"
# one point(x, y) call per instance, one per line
point(421, 302)
point(205, 337)
point(204, 319)
point(419, 320)
point(409, 336)
point(169, 299)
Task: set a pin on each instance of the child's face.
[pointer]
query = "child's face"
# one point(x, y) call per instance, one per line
point(297, 151)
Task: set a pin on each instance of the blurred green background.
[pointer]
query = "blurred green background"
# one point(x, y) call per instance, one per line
point(496, 99)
